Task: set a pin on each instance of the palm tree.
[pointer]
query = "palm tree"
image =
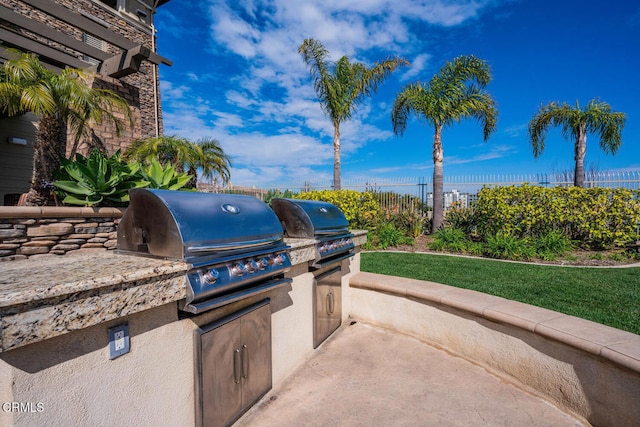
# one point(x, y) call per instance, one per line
point(451, 95)
point(341, 87)
point(65, 102)
point(212, 160)
point(596, 118)
point(206, 154)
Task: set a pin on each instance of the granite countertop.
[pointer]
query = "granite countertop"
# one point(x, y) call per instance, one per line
point(30, 281)
point(49, 296)
point(46, 297)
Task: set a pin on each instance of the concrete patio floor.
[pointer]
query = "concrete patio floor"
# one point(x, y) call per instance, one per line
point(364, 375)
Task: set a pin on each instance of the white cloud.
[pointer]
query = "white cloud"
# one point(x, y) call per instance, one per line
point(516, 131)
point(495, 152)
point(418, 65)
point(265, 134)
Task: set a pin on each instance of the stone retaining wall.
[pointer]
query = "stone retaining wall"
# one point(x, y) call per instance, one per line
point(28, 232)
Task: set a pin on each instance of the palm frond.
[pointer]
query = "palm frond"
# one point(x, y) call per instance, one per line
point(597, 118)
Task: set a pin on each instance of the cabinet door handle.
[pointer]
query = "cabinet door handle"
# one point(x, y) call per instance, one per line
point(330, 303)
point(245, 361)
point(237, 365)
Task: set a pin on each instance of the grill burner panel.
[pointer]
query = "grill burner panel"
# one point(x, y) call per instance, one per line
point(234, 244)
point(336, 246)
point(215, 285)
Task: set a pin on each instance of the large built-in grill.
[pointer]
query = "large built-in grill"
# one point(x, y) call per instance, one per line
point(317, 220)
point(233, 244)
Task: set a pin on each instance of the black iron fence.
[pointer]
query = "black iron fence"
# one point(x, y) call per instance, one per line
point(406, 193)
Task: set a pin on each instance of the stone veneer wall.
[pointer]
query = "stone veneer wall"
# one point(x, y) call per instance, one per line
point(138, 88)
point(27, 232)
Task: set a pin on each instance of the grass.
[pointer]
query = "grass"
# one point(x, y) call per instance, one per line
point(610, 296)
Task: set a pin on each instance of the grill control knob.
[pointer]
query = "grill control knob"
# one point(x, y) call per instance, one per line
point(239, 269)
point(251, 266)
point(211, 276)
point(263, 263)
point(279, 259)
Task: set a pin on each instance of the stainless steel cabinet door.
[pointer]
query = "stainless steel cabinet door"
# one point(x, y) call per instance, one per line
point(256, 354)
point(327, 304)
point(221, 387)
point(235, 364)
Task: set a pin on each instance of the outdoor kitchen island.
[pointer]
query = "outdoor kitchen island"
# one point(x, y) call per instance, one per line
point(56, 312)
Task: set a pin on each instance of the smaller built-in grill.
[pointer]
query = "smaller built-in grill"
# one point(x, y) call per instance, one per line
point(317, 220)
point(233, 244)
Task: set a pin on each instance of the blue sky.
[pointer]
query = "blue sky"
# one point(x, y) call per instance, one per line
point(237, 77)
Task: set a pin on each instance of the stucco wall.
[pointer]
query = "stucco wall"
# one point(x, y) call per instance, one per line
point(70, 381)
point(569, 371)
point(76, 384)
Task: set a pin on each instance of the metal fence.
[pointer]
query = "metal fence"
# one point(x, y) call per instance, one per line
point(407, 193)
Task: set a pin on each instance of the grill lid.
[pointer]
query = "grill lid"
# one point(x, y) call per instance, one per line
point(310, 218)
point(186, 225)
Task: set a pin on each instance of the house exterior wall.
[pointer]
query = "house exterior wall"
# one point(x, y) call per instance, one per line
point(16, 160)
point(140, 89)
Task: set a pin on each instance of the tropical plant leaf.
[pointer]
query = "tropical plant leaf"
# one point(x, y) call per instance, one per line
point(71, 199)
point(97, 179)
point(74, 187)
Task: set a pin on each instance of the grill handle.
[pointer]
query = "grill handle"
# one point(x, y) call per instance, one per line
point(323, 263)
point(331, 231)
point(199, 307)
point(235, 245)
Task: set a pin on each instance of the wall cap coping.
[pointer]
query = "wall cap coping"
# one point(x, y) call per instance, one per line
point(36, 212)
point(610, 344)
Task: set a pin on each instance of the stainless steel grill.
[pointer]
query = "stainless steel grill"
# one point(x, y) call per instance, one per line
point(234, 244)
point(317, 220)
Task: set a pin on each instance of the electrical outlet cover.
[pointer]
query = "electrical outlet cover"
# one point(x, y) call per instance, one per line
point(118, 340)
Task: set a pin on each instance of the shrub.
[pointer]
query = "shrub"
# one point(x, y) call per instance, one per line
point(505, 246)
point(165, 178)
point(97, 180)
point(413, 222)
point(276, 193)
point(387, 234)
point(461, 218)
point(552, 244)
point(596, 217)
point(361, 209)
point(450, 239)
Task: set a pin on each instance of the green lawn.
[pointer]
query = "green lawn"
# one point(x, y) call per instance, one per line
point(610, 296)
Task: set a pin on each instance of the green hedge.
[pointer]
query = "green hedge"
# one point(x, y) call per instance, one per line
point(597, 217)
point(362, 210)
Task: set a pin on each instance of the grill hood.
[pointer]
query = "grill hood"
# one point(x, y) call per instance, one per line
point(189, 225)
point(310, 218)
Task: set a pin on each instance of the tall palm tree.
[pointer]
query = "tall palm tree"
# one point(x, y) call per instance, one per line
point(451, 95)
point(65, 102)
point(596, 118)
point(186, 156)
point(341, 87)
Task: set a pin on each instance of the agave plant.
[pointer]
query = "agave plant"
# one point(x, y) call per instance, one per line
point(165, 178)
point(97, 180)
